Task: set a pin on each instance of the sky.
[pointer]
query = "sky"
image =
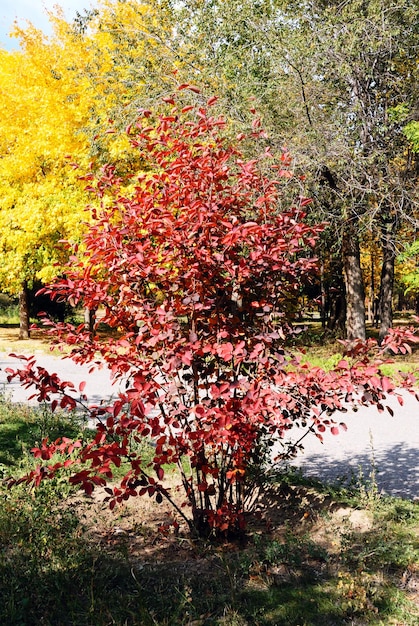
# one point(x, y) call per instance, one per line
point(34, 11)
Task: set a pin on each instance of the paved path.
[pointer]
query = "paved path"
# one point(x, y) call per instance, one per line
point(373, 439)
point(98, 383)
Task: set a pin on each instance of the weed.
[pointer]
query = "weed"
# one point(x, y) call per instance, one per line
point(9, 314)
point(368, 488)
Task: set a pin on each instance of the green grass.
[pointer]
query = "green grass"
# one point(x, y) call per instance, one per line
point(301, 565)
point(23, 427)
point(9, 316)
point(323, 352)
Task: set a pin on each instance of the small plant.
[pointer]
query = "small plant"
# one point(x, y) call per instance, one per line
point(9, 314)
point(358, 591)
point(367, 486)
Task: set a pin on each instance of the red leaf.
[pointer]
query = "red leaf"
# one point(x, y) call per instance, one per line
point(343, 365)
point(88, 488)
point(386, 384)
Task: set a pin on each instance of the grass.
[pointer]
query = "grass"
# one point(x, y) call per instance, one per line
point(325, 352)
point(10, 342)
point(313, 556)
point(9, 316)
point(317, 351)
point(23, 427)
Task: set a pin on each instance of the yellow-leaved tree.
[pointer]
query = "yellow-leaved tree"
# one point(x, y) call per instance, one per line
point(43, 109)
point(58, 96)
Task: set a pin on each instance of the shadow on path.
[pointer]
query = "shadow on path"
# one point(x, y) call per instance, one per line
point(396, 469)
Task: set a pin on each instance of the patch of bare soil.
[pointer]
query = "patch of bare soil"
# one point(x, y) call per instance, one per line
point(307, 529)
point(141, 530)
point(143, 527)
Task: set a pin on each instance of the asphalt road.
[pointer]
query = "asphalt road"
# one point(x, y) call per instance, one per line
point(374, 441)
point(98, 383)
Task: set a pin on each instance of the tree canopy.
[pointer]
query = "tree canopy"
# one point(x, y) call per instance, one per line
point(337, 82)
point(57, 98)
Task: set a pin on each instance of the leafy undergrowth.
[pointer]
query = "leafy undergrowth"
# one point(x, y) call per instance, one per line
point(312, 556)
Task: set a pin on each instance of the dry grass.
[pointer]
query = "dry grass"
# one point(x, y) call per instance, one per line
point(10, 342)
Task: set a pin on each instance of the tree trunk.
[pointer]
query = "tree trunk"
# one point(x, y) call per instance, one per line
point(354, 285)
point(371, 297)
point(89, 319)
point(387, 277)
point(24, 332)
point(337, 314)
point(322, 295)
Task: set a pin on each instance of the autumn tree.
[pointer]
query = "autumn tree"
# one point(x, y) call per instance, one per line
point(197, 267)
point(43, 108)
point(131, 66)
point(57, 96)
point(373, 75)
point(335, 82)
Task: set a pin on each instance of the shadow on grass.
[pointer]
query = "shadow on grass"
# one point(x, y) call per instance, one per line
point(291, 605)
point(13, 439)
point(89, 589)
point(86, 587)
point(53, 572)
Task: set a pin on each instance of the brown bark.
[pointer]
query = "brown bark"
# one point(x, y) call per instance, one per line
point(89, 319)
point(322, 296)
point(354, 285)
point(24, 332)
point(371, 296)
point(387, 278)
point(336, 321)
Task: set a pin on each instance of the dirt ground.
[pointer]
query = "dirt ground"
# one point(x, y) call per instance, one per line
point(143, 523)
